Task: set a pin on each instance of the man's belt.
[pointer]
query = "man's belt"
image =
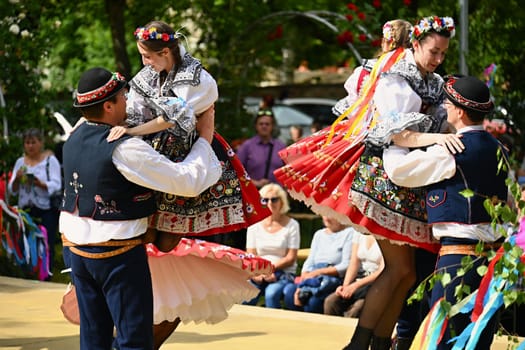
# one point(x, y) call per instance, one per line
point(467, 249)
point(124, 246)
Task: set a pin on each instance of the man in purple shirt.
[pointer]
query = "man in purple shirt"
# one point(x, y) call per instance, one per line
point(260, 154)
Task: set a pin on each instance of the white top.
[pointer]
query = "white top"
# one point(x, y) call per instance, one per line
point(200, 97)
point(421, 168)
point(352, 92)
point(28, 193)
point(274, 246)
point(141, 164)
point(333, 248)
point(370, 258)
point(393, 94)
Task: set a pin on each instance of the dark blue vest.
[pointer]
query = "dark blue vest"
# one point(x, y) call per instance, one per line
point(477, 170)
point(92, 183)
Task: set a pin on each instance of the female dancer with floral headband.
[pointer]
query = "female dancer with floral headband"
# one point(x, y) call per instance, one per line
point(394, 214)
point(401, 86)
point(194, 280)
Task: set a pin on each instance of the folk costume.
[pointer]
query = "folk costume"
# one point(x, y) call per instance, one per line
point(459, 221)
point(104, 217)
point(206, 280)
point(338, 171)
point(319, 168)
point(230, 204)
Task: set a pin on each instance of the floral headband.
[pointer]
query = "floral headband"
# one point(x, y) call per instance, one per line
point(101, 92)
point(438, 24)
point(388, 33)
point(142, 33)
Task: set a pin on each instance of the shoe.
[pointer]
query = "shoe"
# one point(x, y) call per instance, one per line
point(360, 339)
point(381, 343)
point(402, 343)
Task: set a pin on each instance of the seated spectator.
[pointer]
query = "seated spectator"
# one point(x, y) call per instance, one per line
point(366, 263)
point(275, 238)
point(323, 270)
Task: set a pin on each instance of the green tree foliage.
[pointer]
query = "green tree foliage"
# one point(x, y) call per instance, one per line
point(22, 46)
point(238, 42)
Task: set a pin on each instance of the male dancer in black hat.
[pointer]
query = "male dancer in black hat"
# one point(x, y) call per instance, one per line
point(108, 197)
point(459, 222)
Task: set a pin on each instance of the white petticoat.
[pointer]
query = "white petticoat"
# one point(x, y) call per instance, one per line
point(200, 281)
point(197, 281)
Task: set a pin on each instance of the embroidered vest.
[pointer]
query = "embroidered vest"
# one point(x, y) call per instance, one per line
point(476, 170)
point(92, 183)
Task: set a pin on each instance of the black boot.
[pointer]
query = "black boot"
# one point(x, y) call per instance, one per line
point(360, 339)
point(402, 343)
point(381, 343)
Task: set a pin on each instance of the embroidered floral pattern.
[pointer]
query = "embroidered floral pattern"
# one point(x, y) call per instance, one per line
point(228, 205)
point(429, 88)
point(105, 208)
point(372, 181)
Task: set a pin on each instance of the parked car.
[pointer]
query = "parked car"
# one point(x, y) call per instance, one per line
point(320, 109)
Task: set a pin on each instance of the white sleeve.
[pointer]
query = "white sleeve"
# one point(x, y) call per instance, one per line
point(202, 96)
point(18, 164)
point(294, 241)
point(393, 95)
point(418, 168)
point(55, 175)
point(141, 164)
point(250, 236)
point(351, 88)
point(351, 84)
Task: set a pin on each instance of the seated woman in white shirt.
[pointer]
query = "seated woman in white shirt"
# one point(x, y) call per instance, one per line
point(276, 238)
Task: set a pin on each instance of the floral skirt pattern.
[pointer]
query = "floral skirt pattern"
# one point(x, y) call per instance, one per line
point(346, 181)
point(231, 204)
point(387, 210)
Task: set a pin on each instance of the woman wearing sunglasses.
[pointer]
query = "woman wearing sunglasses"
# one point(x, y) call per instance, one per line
point(275, 238)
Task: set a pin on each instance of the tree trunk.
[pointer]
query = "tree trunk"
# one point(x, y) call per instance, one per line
point(115, 10)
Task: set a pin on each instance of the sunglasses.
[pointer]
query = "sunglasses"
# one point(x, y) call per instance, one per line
point(273, 200)
point(265, 112)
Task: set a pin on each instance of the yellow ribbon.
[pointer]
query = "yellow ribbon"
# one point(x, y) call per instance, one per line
point(359, 122)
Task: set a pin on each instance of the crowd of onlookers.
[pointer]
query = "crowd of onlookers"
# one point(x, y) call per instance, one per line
point(341, 263)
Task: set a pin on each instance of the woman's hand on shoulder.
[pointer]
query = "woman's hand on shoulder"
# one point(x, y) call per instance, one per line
point(452, 142)
point(116, 132)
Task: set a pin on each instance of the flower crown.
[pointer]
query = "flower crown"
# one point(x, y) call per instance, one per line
point(438, 24)
point(142, 33)
point(388, 33)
